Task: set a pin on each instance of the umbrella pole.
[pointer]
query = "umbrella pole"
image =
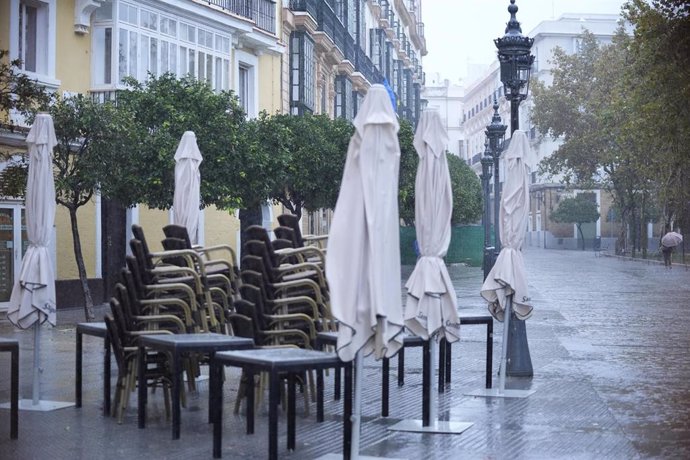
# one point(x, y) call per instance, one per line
point(504, 348)
point(433, 404)
point(36, 395)
point(357, 405)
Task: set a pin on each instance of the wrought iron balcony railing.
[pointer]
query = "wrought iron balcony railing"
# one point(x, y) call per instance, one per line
point(262, 12)
point(328, 22)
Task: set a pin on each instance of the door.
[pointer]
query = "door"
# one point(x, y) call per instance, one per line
point(13, 245)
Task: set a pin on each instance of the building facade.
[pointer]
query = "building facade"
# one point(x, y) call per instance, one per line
point(336, 49)
point(284, 56)
point(88, 47)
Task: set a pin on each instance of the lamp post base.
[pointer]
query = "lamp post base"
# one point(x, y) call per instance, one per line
point(519, 360)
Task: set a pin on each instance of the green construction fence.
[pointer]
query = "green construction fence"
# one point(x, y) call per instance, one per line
point(466, 245)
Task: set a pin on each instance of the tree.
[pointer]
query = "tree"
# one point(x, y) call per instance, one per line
point(17, 91)
point(91, 139)
point(588, 108)
point(467, 191)
point(578, 211)
point(310, 158)
point(21, 94)
point(163, 108)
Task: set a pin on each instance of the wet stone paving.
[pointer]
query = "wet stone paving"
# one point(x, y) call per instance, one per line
point(610, 348)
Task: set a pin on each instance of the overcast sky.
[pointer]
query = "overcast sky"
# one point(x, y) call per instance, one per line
point(461, 32)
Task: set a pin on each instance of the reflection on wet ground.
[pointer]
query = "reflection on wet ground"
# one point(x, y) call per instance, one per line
point(609, 342)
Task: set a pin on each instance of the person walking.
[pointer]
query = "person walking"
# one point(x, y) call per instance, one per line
point(667, 252)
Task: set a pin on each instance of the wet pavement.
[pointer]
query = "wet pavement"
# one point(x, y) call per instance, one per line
point(609, 342)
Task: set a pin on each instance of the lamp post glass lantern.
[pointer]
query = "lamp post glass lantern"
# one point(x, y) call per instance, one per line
point(516, 61)
point(516, 64)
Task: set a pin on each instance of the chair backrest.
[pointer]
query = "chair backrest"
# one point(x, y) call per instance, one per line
point(144, 263)
point(253, 295)
point(138, 234)
point(286, 233)
point(173, 244)
point(258, 249)
point(291, 221)
point(254, 272)
point(116, 340)
point(258, 233)
point(178, 231)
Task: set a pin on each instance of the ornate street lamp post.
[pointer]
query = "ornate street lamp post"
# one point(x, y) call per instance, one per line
point(487, 161)
point(516, 64)
point(495, 132)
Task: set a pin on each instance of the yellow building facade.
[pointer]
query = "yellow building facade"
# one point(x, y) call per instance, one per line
point(88, 46)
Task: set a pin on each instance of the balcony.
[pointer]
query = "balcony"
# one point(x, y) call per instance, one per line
point(327, 22)
point(262, 12)
point(417, 37)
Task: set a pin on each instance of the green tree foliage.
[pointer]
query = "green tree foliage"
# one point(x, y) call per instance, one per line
point(17, 91)
point(296, 161)
point(408, 172)
point(91, 140)
point(467, 192)
point(659, 81)
point(163, 108)
point(579, 210)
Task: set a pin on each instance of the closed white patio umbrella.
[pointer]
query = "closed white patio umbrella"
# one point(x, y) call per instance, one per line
point(363, 258)
point(505, 287)
point(187, 185)
point(431, 302)
point(33, 296)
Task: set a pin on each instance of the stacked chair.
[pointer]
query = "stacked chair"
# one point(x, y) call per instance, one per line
point(279, 298)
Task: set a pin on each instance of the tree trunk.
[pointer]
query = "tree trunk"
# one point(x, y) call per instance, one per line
point(249, 216)
point(114, 244)
point(582, 235)
point(88, 301)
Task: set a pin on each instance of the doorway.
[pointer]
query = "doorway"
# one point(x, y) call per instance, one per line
point(13, 245)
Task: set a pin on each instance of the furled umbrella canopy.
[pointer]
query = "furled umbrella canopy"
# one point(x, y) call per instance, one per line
point(431, 306)
point(187, 185)
point(33, 295)
point(363, 258)
point(508, 277)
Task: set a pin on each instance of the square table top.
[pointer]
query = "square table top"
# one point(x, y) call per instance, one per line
point(207, 341)
point(280, 358)
point(97, 328)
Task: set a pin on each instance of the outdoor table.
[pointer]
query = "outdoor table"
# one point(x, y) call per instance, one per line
point(12, 346)
point(277, 361)
point(331, 338)
point(177, 345)
point(96, 330)
point(444, 356)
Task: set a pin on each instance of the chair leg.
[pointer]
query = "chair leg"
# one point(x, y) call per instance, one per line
point(241, 392)
point(166, 399)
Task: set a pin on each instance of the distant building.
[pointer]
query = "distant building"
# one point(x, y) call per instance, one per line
point(447, 97)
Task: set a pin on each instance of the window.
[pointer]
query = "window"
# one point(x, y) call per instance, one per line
point(243, 88)
point(149, 20)
point(32, 37)
point(246, 82)
point(343, 98)
point(158, 44)
point(302, 78)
